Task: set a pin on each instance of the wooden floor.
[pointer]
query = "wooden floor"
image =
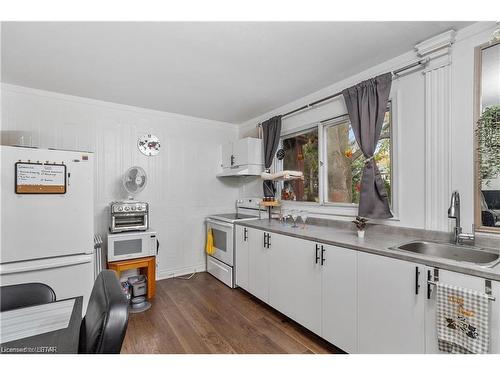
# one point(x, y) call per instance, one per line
point(202, 315)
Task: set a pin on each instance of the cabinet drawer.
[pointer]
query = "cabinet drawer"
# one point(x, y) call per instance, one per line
point(220, 270)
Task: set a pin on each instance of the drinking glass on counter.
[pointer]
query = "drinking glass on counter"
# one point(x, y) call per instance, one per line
point(304, 215)
point(284, 215)
point(295, 215)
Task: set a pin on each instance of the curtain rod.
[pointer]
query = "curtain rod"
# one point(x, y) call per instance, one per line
point(395, 74)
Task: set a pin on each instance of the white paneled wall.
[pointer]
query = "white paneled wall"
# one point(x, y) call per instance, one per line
point(437, 146)
point(182, 188)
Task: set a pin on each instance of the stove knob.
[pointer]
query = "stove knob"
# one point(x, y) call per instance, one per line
point(127, 208)
point(133, 208)
point(120, 208)
point(138, 207)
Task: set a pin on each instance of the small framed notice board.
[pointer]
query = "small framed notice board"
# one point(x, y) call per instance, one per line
point(38, 178)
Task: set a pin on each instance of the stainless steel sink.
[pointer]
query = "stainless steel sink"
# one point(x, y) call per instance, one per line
point(460, 253)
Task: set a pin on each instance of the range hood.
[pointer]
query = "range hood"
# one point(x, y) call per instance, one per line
point(242, 170)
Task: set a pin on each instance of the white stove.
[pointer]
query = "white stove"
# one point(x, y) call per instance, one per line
point(221, 263)
point(232, 218)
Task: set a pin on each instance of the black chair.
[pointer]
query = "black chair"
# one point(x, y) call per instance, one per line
point(24, 295)
point(103, 328)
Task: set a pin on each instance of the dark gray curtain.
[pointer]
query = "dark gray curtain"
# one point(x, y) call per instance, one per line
point(366, 104)
point(271, 130)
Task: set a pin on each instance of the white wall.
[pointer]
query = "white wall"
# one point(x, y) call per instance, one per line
point(415, 184)
point(182, 188)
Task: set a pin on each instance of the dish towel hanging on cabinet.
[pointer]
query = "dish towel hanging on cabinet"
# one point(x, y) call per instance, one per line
point(462, 320)
point(209, 247)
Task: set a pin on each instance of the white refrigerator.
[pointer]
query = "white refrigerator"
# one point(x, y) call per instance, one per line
point(47, 219)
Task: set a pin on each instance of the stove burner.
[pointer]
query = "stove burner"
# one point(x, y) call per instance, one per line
point(235, 216)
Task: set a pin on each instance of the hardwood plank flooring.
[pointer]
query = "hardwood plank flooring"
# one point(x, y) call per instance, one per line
point(202, 315)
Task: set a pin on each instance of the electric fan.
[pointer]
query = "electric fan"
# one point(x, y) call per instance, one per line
point(134, 181)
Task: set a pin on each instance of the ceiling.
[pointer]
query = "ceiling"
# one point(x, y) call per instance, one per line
point(222, 71)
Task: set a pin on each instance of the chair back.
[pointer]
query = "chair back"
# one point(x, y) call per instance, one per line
point(105, 323)
point(25, 295)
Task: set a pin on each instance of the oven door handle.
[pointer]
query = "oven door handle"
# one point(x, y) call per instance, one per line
point(220, 223)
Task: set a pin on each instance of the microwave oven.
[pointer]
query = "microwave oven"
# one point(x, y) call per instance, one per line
point(131, 245)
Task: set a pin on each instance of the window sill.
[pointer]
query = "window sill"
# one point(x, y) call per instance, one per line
point(330, 210)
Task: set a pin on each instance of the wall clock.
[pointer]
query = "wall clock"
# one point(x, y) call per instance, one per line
point(149, 145)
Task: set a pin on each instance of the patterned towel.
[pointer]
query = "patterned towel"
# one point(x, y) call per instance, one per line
point(462, 320)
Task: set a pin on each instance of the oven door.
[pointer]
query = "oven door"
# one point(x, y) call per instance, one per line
point(223, 240)
point(129, 222)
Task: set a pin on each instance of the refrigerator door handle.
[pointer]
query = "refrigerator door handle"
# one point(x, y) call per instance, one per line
point(41, 264)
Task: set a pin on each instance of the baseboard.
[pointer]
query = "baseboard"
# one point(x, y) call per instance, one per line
point(169, 273)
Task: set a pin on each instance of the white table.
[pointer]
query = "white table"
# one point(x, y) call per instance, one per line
point(49, 328)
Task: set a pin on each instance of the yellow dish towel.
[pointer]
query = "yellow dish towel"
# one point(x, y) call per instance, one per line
point(209, 247)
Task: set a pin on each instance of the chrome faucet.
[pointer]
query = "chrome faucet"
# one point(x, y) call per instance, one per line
point(454, 213)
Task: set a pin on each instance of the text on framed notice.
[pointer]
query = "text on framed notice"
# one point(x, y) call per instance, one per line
point(38, 178)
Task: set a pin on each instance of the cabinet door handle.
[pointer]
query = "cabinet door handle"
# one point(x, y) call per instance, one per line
point(245, 234)
point(322, 255)
point(317, 253)
point(417, 285)
point(429, 290)
point(232, 160)
point(268, 240)
point(265, 238)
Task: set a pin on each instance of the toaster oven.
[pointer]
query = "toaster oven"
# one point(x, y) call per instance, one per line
point(129, 216)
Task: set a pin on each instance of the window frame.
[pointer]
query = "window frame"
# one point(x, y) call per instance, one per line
point(477, 110)
point(339, 208)
point(324, 163)
point(279, 163)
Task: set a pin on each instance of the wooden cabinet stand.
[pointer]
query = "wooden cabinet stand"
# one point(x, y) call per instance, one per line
point(145, 265)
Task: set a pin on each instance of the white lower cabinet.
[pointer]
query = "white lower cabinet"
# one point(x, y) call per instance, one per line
point(295, 280)
point(360, 302)
point(390, 305)
point(338, 295)
point(242, 241)
point(258, 264)
point(312, 283)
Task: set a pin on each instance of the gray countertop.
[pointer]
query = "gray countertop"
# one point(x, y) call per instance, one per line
point(379, 239)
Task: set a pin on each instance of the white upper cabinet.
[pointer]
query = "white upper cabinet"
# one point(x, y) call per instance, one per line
point(391, 297)
point(227, 155)
point(243, 151)
point(339, 296)
point(243, 157)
